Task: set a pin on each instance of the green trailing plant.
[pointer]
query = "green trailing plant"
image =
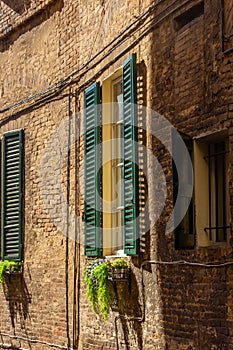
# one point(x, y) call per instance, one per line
point(8, 267)
point(96, 277)
point(97, 286)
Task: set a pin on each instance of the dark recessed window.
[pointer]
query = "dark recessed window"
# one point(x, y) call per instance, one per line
point(184, 232)
point(189, 15)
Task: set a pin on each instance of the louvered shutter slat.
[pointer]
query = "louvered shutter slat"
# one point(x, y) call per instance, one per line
point(129, 170)
point(93, 216)
point(12, 191)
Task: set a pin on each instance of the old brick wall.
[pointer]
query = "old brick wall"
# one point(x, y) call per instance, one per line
point(33, 307)
point(186, 78)
point(195, 94)
point(14, 13)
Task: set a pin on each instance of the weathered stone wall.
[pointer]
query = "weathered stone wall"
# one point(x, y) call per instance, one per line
point(186, 78)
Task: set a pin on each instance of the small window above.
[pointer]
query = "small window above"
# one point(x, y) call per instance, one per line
point(189, 15)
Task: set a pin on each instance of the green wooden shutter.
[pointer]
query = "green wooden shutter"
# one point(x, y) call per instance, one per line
point(93, 176)
point(130, 168)
point(182, 153)
point(12, 195)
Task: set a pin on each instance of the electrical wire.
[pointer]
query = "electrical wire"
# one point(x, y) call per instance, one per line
point(124, 31)
point(9, 346)
point(81, 87)
point(32, 341)
point(159, 262)
point(35, 96)
point(66, 79)
point(189, 263)
point(69, 79)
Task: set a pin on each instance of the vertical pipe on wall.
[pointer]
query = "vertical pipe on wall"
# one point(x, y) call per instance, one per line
point(67, 220)
point(76, 257)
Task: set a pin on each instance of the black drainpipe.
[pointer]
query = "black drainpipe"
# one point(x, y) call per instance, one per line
point(67, 222)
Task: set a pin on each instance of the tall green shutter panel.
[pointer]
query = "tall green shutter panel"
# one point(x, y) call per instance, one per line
point(93, 176)
point(182, 153)
point(130, 168)
point(12, 195)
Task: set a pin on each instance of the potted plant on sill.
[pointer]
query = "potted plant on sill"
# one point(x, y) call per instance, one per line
point(97, 276)
point(8, 267)
point(120, 270)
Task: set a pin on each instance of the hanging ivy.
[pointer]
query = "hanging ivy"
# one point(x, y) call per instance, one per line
point(97, 286)
point(97, 275)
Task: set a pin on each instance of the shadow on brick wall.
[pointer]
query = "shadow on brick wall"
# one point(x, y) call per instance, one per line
point(142, 158)
point(127, 303)
point(11, 34)
point(18, 298)
point(18, 6)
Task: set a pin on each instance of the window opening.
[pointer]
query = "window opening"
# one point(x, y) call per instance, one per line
point(218, 214)
point(189, 15)
point(184, 232)
point(117, 120)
